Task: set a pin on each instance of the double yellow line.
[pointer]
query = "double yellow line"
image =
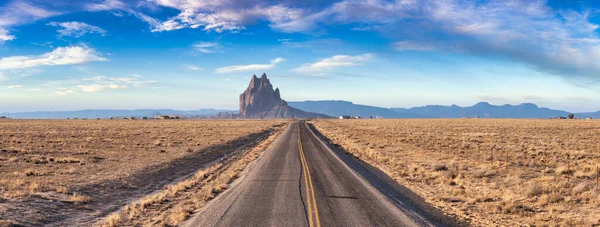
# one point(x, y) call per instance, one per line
point(310, 191)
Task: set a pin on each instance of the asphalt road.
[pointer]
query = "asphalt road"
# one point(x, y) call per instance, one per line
point(300, 181)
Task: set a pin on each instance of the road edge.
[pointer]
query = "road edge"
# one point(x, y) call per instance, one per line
point(398, 195)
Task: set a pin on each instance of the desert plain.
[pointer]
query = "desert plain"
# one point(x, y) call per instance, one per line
point(486, 172)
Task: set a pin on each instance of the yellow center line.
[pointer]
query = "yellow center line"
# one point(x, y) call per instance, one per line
point(310, 220)
point(309, 185)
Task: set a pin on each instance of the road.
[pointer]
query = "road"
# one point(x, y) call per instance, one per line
point(300, 181)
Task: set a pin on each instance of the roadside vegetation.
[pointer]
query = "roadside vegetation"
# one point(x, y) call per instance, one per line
point(56, 171)
point(176, 202)
point(488, 172)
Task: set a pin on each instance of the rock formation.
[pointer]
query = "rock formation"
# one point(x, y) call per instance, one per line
point(261, 101)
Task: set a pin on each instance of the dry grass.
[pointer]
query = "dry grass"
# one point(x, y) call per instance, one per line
point(177, 202)
point(486, 171)
point(54, 159)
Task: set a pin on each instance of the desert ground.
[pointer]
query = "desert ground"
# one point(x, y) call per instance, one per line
point(489, 172)
point(77, 171)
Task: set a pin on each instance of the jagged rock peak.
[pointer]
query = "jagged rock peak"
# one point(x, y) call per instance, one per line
point(261, 101)
point(277, 93)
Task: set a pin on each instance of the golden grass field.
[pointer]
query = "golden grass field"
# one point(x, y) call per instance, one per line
point(489, 172)
point(52, 169)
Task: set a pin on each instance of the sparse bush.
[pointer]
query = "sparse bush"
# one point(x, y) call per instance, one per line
point(80, 199)
point(440, 167)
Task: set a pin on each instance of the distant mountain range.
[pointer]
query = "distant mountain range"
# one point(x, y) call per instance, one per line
point(482, 109)
point(337, 108)
point(104, 113)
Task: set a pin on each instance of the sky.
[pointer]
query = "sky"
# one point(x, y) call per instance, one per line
point(196, 54)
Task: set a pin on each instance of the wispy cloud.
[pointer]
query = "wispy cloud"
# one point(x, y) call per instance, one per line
point(18, 13)
point(192, 67)
point(5, 36)
point(252, 67)
point(76, 29)
point(229, 16)
point(206, 47)
point(105, 5)
point(102, 83)
point(408, 45)
point(60, 56)
point(334, 62)
point(14, 86)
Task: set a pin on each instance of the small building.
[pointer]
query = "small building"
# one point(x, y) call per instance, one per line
point(167, 117)
point(345, 117)
point(143, 118)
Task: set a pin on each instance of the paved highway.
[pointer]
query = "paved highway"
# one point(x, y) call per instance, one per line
point(300, 181)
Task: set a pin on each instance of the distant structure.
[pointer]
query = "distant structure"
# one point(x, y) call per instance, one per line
point(345, 117)
point(167, 117)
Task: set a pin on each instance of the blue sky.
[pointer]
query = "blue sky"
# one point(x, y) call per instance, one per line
point(193, 54)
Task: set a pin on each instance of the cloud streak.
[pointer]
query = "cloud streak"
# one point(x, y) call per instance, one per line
point(252, 67)
point(192, 68)
point(18, 13)
point(105, 5)
point(5, 35)
point(60, 56)
point(206, 47)
point(102, 83)
point(335, 61)
point(76, 29)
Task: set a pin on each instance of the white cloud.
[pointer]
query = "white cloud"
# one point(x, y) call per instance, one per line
point(105, 5)
point(252, 67)
point(60, 56)
point(219, 16)
point(18, 13)
point(102, 83)
point(76, 29)
point(5, 36)
point(64, 92)
point(15, 86)
point(192, 67)
point(334, 62)
point(92, 87)
point(408, 45)
point(206, 47)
